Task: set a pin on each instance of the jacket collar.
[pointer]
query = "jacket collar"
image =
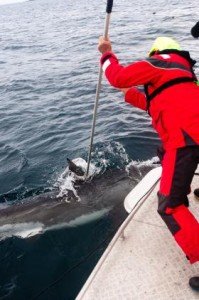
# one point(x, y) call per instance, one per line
point(184, 54)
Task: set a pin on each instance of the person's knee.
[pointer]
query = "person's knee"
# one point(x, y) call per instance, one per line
point(166, 212)
point(166, 204)
point(163, 204)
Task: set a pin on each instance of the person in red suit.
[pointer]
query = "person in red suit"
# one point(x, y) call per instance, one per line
point(171, 98)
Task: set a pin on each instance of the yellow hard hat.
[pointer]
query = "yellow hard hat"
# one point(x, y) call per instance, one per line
point(163, 43)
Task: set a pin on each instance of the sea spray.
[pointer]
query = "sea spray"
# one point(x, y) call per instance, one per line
point(105, 156)
point(67, 182)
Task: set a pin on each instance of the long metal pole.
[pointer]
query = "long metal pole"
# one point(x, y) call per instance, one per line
point(108, 10)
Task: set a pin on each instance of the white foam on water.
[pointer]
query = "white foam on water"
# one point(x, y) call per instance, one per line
point(111, 153)
point(105, 156)
point(66, 181)
point(23, 230)
point(149, 163)
point(5, 2)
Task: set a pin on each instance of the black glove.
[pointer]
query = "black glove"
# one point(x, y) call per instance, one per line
point(195, 30)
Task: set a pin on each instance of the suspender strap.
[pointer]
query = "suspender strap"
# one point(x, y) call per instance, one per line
point(165, 86)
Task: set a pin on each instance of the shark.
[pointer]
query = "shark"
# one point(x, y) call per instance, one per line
point(51, 210)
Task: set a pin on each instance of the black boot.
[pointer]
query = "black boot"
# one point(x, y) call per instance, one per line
point(196, 193)
point(194, 283)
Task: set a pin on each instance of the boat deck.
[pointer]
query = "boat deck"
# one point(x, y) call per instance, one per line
point(145, 262)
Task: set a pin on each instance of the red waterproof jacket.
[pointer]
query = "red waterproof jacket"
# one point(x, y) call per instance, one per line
point(169, 80)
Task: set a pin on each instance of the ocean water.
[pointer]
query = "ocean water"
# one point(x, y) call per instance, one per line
point(48, 74)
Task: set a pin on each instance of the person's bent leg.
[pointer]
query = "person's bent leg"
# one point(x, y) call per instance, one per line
point(178, 170)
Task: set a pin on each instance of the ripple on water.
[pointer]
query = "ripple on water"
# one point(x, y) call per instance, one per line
point(49, 71)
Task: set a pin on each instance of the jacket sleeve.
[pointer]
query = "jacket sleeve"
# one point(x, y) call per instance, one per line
point(136, 98)
point(138, 73)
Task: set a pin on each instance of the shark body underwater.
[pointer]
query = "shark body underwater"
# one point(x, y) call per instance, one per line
point(49, 211)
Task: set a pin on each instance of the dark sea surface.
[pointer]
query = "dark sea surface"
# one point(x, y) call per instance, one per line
point(48, 74)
